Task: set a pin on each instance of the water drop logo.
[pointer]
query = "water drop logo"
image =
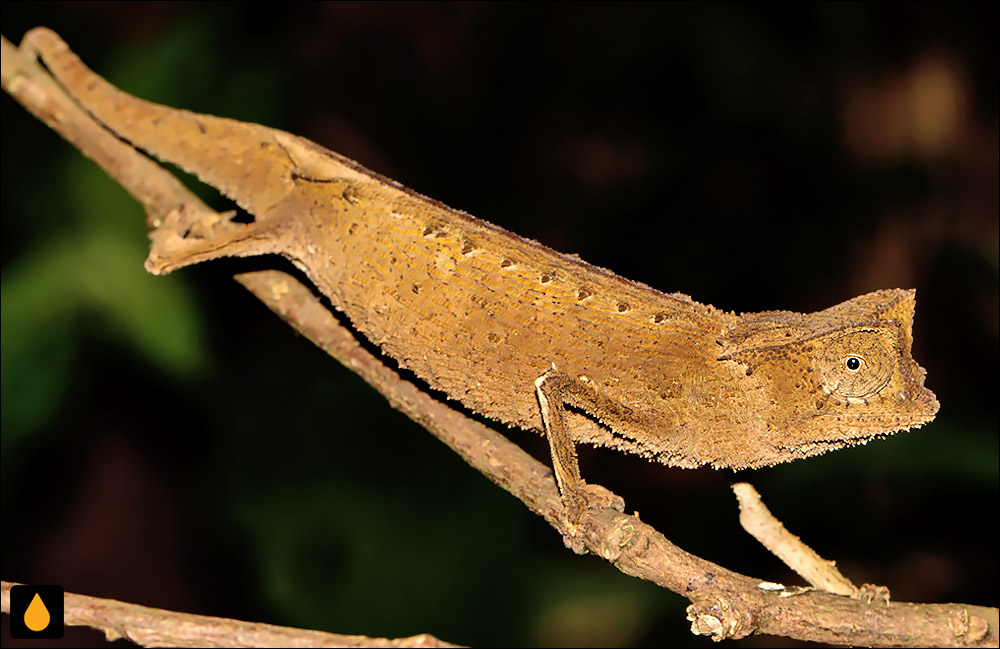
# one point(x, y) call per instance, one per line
point(37, 616)
point(36, 612)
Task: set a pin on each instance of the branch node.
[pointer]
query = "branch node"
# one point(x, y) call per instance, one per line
point(720, 620)
point(970, 628)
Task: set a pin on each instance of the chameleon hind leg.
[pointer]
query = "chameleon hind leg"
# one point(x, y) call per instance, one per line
point(556, 391)
point(230, 155)
point(184, 239)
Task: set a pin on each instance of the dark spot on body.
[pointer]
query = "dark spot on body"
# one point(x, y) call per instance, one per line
point(468, 247)
point(436, 230)
point(506, 263)
point(623, 307)
point(416, 289)
point(582, 293)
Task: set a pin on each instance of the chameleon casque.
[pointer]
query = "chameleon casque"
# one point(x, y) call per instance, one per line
point(516, 331)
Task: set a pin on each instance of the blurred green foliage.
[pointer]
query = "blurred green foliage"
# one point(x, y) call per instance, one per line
point(83, 275)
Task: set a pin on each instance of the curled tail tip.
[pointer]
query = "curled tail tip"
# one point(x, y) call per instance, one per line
point(41, 33)
point(43, 39)
point(57, 56)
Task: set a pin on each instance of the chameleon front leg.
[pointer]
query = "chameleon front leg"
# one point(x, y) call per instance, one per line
point(556, 391)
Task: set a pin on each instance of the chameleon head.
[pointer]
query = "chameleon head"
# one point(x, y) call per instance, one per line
point(833, 378)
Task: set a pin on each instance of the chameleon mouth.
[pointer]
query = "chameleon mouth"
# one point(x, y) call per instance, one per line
point(871, 423)
point(833, 434)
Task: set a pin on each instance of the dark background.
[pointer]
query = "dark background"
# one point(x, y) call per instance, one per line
point(168, 441)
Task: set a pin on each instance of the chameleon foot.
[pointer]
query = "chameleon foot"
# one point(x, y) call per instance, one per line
point(581, 503)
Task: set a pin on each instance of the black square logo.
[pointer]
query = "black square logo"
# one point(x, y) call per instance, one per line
point(36, 612)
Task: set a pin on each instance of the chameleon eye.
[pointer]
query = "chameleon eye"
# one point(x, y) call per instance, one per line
point(853, 364)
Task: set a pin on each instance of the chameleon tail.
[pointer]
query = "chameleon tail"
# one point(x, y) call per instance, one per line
point(257, 167)
point(221, 152)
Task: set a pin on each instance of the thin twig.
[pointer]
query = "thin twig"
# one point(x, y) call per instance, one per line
point(760, 523)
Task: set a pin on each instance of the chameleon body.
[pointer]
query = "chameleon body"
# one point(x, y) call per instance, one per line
point(486, 316)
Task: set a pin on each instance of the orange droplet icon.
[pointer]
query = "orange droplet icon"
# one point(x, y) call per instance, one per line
point(36, 616)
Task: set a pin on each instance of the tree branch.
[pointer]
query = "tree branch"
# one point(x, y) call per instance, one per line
point(156, 627)
point(724, 604)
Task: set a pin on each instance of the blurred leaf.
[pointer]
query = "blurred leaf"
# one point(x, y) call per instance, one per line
point(89, 271)
point(36, 342)
point(99, 276)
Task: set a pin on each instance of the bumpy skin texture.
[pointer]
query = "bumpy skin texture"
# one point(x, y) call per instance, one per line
point(480, 313)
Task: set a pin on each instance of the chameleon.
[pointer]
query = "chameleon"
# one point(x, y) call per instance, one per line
point(514, 330)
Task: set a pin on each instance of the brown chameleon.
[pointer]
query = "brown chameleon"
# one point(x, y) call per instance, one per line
point(519, 332)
